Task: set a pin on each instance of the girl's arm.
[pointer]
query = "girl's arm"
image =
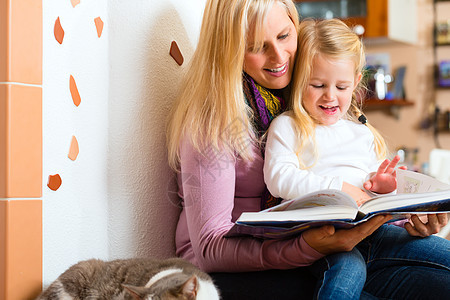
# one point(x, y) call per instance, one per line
point(282, 172)
point(208, 204)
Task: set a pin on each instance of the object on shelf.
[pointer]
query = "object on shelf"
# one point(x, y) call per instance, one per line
point(444, 73)
point(408, 157)
point(398, 89)
point(443, 32)
point(378, 80)
point(441, 120)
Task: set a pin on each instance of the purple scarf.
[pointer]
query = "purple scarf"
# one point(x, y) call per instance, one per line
point(266, 106)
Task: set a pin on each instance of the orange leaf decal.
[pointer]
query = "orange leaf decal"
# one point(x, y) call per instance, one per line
point(74, 91)
point(75, 2)
point(59, 31)
point(99, 26)
point(74, 149)
point(54, 182)
point(176, 53)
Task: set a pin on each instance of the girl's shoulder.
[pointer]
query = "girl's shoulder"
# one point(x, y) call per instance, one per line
point(356, 128)
point(285, 119)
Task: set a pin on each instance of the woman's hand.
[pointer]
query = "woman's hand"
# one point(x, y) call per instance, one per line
point(327, 240)
point(385, 180)
point(426, 225)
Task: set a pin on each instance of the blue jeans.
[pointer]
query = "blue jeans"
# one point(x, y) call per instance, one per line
point(389, 264)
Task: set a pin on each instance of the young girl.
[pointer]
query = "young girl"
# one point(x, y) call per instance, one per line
point(325, 142)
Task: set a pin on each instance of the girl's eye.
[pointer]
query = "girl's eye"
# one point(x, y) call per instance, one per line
point(341, 88)
point(317, 86)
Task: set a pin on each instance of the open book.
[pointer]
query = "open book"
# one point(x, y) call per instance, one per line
point(416, 193)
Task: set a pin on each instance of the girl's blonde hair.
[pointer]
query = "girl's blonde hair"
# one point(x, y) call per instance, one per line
point(334, 39)
point(210, 106)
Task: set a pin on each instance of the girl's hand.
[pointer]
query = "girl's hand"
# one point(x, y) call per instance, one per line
point(426, 225)
point(359, 195)
point(385, 180)
point(327, 240)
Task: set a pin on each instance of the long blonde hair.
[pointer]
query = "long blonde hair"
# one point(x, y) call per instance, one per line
point(211, 98)
point(334, 39)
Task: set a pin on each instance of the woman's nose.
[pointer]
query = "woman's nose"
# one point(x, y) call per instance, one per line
point(277, 54)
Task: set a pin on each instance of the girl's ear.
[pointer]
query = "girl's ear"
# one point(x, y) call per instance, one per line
point(358, 78)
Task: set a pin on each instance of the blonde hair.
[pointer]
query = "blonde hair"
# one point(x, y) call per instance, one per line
point(211, 98)
point(334, 39)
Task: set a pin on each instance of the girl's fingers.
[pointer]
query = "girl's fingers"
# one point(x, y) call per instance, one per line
point(383, 166)
point(388, 166)
point(392, 164)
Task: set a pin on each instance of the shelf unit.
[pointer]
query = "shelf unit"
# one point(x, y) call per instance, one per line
point(440, 119)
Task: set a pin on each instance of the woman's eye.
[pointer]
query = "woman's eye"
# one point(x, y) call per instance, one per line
point(284, 36)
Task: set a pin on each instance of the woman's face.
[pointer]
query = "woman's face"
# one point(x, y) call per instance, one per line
point(272, 66)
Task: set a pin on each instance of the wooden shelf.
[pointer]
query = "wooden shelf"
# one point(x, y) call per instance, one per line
point(375, 103)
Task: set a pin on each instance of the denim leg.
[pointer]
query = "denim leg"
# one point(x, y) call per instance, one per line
point(341, 275)
point(400, 266)
point(392, 245)
point(409, 282)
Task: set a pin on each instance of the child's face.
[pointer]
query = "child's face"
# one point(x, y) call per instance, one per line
point(272, 66)
point(329, 92)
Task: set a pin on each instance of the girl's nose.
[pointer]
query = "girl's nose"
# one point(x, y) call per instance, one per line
point(330, 94)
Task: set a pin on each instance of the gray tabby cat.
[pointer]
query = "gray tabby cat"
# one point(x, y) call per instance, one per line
point(145, 279)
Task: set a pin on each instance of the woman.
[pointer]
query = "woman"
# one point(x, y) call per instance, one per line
point(235, 85)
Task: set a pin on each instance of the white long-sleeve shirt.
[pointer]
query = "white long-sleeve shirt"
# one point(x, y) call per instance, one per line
point(346, 152)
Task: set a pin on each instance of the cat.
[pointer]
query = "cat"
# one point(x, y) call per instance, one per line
point(136, 278)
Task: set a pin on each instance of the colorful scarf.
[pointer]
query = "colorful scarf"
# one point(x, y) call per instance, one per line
point(266, 106)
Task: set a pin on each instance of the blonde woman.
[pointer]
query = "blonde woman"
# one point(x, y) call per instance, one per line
point(324, 142)
point(237, 82)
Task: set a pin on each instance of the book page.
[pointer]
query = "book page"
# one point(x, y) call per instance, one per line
point(409, 182)
point(338, 212)
point(316, 199)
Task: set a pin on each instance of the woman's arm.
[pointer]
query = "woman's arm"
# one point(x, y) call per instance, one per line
point(209, 202)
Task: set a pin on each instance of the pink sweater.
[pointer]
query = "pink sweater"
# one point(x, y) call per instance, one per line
point(216, 188)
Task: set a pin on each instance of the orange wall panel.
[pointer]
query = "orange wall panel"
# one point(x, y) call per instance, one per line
point(3, 243)
point(4, 44)
point(21, 40)
point(3, 138)
point(22, 138)
point(21, 258)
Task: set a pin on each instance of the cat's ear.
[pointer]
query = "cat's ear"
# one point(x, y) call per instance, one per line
point(138, 292)
point(190, 287)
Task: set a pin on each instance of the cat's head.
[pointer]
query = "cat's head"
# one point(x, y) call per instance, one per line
point(175, 287)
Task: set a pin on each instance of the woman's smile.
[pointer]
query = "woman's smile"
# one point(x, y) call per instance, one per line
point(277, 72)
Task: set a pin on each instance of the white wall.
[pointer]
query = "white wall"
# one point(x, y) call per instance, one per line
point(117, 198)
